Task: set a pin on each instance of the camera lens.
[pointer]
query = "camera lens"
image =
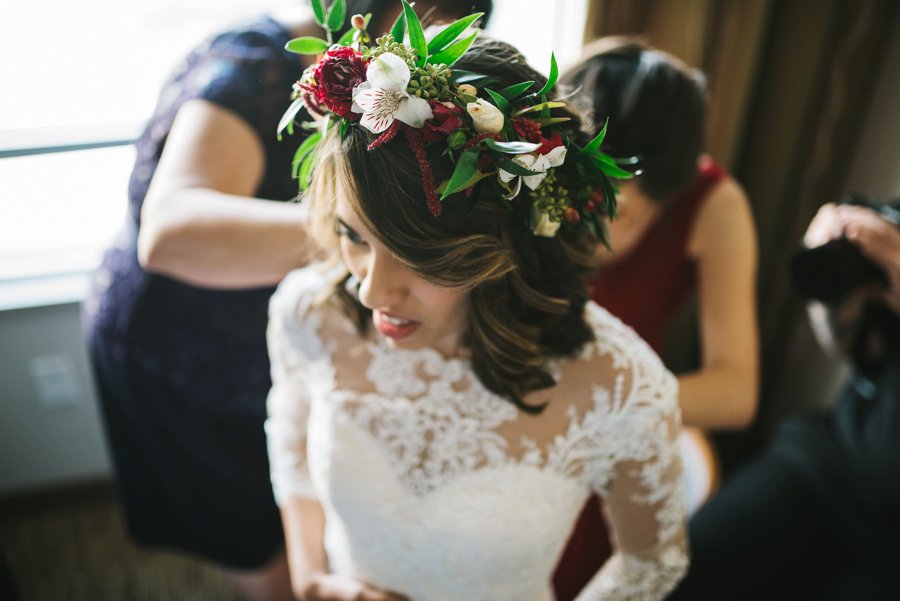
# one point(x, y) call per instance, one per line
point(833, 270)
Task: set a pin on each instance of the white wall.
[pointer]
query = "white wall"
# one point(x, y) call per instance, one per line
point(42, 444)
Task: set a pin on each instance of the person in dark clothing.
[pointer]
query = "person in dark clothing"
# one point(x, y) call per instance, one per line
point(176, 319)
point(817, 514)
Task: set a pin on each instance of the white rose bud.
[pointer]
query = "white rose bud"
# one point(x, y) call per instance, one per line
point(543, 226)
point(486, 118)
point(467, 89)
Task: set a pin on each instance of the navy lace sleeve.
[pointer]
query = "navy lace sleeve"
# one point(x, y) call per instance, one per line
point(245, 70)
point(249, 72)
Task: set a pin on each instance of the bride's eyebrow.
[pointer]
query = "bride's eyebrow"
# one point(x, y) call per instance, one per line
point(343, 224)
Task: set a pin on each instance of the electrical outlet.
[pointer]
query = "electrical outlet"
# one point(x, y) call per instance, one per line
point(55, 381)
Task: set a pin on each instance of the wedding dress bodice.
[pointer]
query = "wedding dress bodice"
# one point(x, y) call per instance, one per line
point(436, 488)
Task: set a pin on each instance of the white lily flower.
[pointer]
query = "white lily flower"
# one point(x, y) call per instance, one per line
point(383, 96)
point(539, 163)
point(486, 118)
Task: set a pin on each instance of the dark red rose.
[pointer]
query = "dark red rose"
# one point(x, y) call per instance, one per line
point(445, 121)
point(335, 75)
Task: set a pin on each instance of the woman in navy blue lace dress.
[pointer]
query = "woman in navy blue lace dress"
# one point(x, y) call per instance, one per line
point(176, 319)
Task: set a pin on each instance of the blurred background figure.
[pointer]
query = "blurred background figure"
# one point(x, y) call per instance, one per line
point(684, 226)
point(176, 325)
point(817, 514)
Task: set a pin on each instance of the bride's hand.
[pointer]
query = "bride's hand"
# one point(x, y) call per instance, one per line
point(332, 587)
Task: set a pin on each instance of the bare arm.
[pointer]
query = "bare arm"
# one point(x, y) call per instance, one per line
point(199, 222)
point(723, 392)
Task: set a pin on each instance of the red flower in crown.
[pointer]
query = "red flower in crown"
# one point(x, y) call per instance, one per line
point(530, 130)
point(548, 144)
point(445, 121)
point(339, 71)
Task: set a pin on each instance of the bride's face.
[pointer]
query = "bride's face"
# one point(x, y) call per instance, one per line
point(409, 311)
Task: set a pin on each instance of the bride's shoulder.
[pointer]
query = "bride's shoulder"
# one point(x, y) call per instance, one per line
point(613, 336)
point(619, 355)
point(302, 292)
point(305, 300)
point(305, 320)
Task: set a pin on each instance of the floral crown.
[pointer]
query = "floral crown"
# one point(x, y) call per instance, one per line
point(509, 138)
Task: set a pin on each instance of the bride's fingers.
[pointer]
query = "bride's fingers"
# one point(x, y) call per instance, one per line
point(340, 588)
point(371, 594)
point(332, 587)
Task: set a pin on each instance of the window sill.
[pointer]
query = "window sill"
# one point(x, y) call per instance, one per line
point(44, 291)
point(48, 140)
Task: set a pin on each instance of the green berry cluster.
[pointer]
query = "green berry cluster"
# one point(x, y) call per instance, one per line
point(551, 198)
point(431, 82)
point(386, 43)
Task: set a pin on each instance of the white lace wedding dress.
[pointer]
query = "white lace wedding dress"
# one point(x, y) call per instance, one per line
point(436, 488)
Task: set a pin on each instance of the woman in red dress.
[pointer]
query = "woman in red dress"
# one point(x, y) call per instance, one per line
point(684, 226)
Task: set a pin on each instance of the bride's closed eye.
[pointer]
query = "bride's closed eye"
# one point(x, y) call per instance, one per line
point(345, 231)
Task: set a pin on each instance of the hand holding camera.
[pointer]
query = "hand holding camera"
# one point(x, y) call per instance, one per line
point(852, 246)
point(878, 239)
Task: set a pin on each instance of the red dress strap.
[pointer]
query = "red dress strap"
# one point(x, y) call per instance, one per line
point(646, 287)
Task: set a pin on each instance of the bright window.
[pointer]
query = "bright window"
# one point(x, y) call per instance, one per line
point(539, 27)
point(79, 70)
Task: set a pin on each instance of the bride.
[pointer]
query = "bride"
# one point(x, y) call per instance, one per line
point(445, 395)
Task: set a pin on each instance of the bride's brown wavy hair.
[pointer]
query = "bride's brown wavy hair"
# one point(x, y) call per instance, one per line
point(527, 292)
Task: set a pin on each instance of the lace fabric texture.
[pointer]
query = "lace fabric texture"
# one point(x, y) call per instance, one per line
point(437, 488)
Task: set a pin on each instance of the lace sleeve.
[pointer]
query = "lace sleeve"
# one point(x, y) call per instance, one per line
point(294, 348)
point(644, 498)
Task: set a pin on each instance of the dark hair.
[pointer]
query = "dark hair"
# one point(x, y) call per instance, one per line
point(656, 107)
point(527, 292)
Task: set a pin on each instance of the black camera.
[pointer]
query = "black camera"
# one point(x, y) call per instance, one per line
point(830, 272)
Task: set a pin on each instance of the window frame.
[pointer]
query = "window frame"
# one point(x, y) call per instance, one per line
point(63, 285)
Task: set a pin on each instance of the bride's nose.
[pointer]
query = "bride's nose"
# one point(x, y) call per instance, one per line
point(384, 281)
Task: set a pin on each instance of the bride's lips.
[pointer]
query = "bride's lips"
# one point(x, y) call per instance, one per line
point(393, 326)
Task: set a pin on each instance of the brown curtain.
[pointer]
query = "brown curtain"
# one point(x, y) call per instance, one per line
point(790, 84)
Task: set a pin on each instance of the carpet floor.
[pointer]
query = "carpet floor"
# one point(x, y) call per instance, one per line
point(76, 549)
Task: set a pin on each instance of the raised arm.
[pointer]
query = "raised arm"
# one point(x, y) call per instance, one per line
point(200, 222)
point(723, 392)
